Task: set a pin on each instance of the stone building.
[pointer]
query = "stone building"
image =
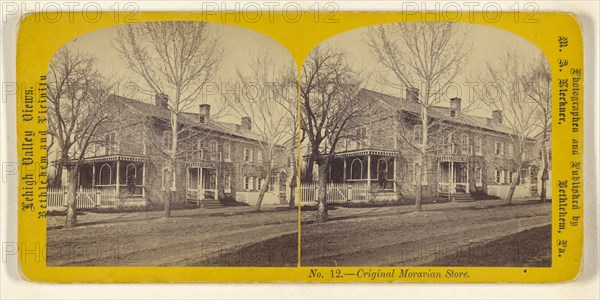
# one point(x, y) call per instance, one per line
point(466, 154)
point(217, 161)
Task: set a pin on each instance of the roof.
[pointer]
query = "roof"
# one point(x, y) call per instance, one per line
point(436, 112)
point(189, 119)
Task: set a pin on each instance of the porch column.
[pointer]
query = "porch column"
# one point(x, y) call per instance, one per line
point(93, 174)
point(368, 172)
point(118, 179)
point(468, 182)
point(144, 180)
point(451, 188)
point(344, 177)
point(395, 172)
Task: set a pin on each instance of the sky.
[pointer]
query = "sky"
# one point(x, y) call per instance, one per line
point(240, 45)
point(487, 44)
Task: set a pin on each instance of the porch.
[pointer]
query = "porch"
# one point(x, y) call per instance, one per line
point(453, 179)
point(202, 181)
point(375, 169)
point(123, 176)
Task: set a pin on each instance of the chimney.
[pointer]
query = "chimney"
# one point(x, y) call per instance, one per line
point(455, 104)
point(246, 123)
point(204, 113)
point(412, 94)
point(497, 116)
point(161, 100)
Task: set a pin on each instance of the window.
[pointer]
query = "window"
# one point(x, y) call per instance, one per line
point(273, 183)
point(448, 144)
point(261, 183)
point(356, 169)
point(510, 149)
point(109, 139)
point(452, 113)
point(259, 156)
point(199, 151)
point(167, 139)
point(499, 148)
point(247, 183)
point(227, 183)
point(131, 173)
point(227, 152)
point(254, 184)
point(478, 176)
point(105, 175)
point(165, 173)
point(524, 176)
point(500, 176)
point(478, 146)
point(248, 155)
point(214, 151)
point(464, 140)
point(382, 168)
point(511, 176)
point(423, 174)
point(418, 133)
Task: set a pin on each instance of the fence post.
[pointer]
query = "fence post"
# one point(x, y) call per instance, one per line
point(64, 198)
point(316, 196)
point(98, 198)
point(349, 192)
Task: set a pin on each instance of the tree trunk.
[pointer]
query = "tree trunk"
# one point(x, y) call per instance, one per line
point(56, 179)
point(71, 219)
point(544, 177)
point(169, 190)
point(171, 174)
point(513, 186)
point(263, 190)
point(293, 191)
point(322, 214)
point(307, 175)
point(422, 156)
point(419, 187)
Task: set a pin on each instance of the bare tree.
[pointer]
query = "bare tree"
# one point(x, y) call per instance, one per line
point(507, 74)
point(424, 58)
point(265, 97)
point(538, 86)
point(328, 91)
point(78, 106)
point(175, 59)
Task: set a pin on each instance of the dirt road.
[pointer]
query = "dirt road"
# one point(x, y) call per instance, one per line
point(394, 236)
point(191, 237)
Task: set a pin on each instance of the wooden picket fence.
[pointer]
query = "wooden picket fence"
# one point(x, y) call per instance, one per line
point(86, 197)
point(336, 192)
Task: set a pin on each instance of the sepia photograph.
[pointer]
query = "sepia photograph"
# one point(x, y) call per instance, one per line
point(426, 144)
point(172, 144)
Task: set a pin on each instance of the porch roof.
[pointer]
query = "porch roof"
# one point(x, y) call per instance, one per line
point(453, 158)
point(115, 157)
point(363, 152)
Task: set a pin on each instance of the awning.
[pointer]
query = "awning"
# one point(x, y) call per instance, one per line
point(364, 152)
point(115, 157)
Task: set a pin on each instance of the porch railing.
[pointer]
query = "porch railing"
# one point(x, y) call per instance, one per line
point(86, 198)
point(453, 187)
point(335, 193)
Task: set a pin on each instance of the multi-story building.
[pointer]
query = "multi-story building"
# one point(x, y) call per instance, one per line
point(466, 153)
point(215, 160)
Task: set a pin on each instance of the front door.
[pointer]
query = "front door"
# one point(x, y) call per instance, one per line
point(209, 183)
